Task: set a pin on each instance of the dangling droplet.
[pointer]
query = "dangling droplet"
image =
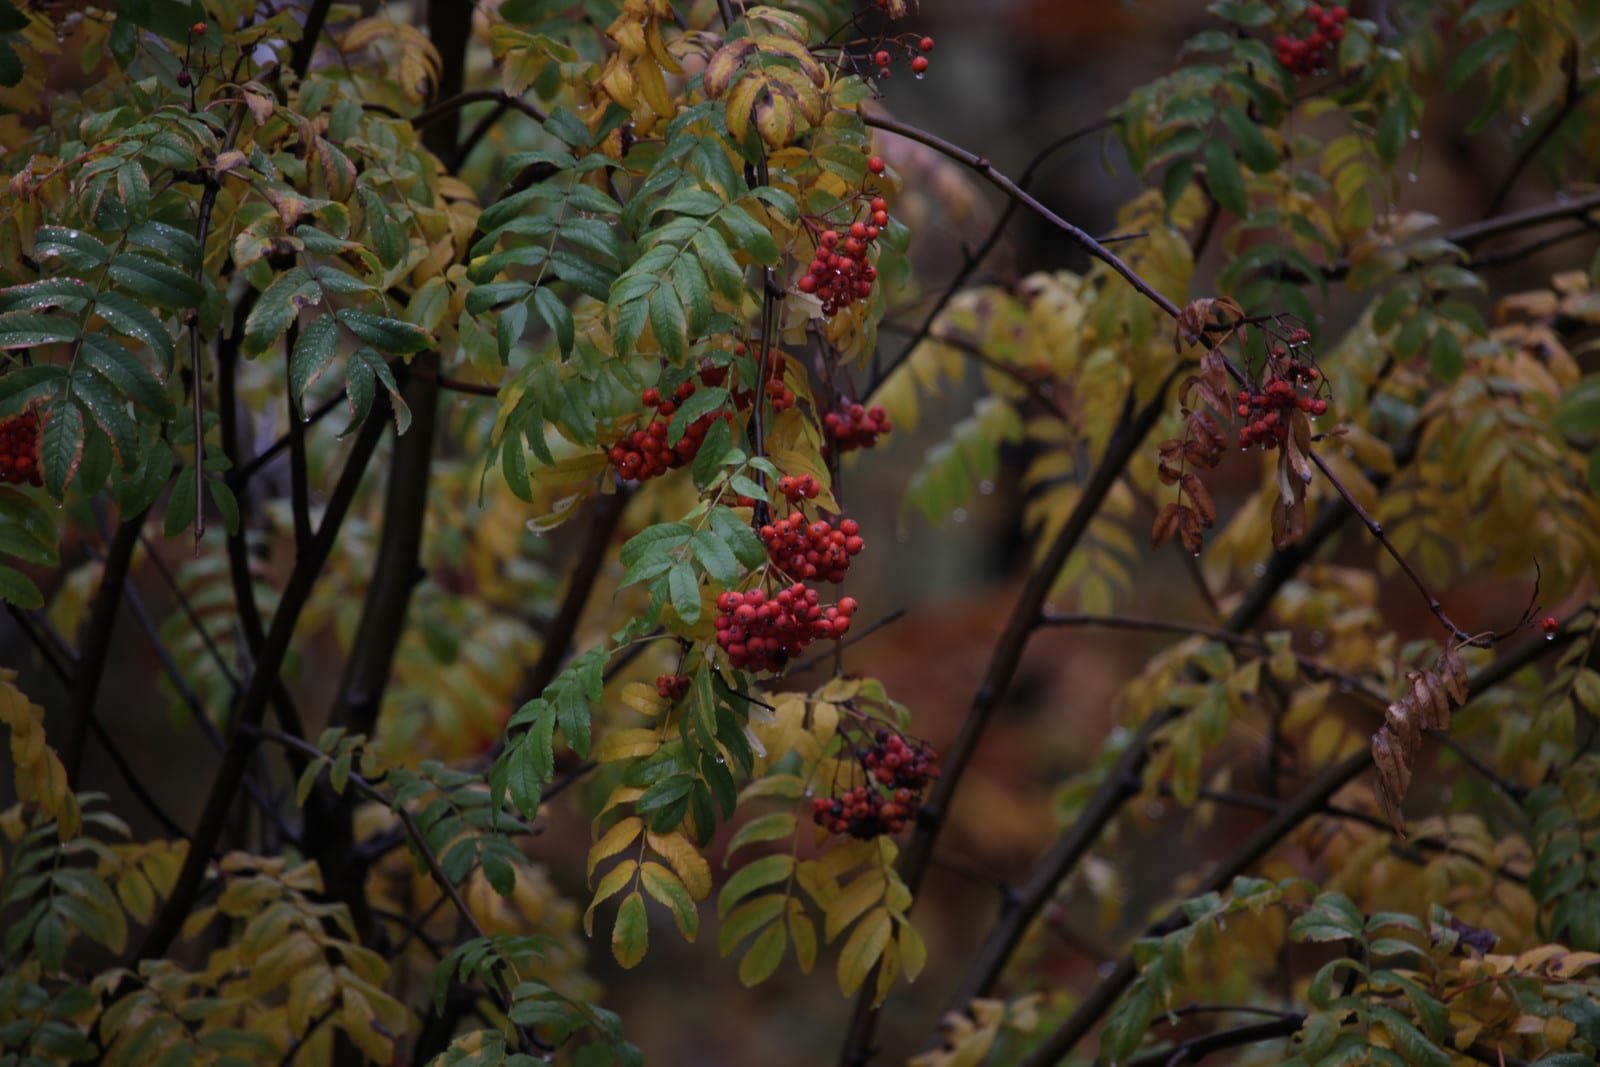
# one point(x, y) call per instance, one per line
point(917, 76)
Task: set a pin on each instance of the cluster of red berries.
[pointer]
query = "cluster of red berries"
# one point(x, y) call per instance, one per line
point(815, 551)
point(1268, 411)
point(898, 772)
point(796, 488)
point(19, 450)
point(644, 453)
point(919, 63)
point(1305, 55)
point(778, 393)
point(854, 426)
point(673, 687)
point(864, 812)
point(761, 633)
point(839, 274)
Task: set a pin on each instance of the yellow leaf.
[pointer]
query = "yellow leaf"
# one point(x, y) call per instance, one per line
point(644, 699)
point(1574, 962)
point(627, 744)
point(863, 950)
point(803, 932)
point(685, 859)
point(615, 840)
point(855, 899)
point(609, 886)
point(913, 952)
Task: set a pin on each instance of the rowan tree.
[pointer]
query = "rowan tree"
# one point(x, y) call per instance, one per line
point(471, 419)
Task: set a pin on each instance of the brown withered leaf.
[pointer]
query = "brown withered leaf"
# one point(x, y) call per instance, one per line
point(1454, 675)
point(1200, 497)
point(1204, 425)
point(1427, 694)
point(1214, 369)
point(1405, 726)
point(1298, 446)
point(1394, 775)
point(1169, 475)
point(1202, 455)
point(1288, 522)
point(1165, 526)
point(1190, 531)
point(1192, 322)
point(1171, 450)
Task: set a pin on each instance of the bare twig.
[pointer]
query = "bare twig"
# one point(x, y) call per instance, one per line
point(95, 648)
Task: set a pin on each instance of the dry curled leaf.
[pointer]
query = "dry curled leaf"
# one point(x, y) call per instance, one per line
point(1165, 526)
point(1192, 322)
point(1425, 706)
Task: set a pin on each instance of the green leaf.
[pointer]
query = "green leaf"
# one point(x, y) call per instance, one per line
point(667, 888)
point(1393, 122)
point(1578, 411)
point(714, 449)
point(392, 336)
point(572, 713)
point(684, 589)
point(715, 556)
point(703, 402)
point(61, 446)
point(17, 588)
point(653, 541)
point(278, 307)
point(1480, 54)
point(75, 249)
point(27, 329)
point(745, 542)
point(132, 319)
point(764, 955)
point(630, 937)
point(557, 316)
point(525, 776)
point(314, 351)
point(1223, 178)
point(1444, 355)
point(1254, 148)
point(109, 411)
point(181, 503)
point(155, 282)
point(668, 320)
point(588, 278)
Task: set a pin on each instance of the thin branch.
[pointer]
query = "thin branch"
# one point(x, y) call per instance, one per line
point(971, 260)
point(1037, 389)
point(95, 649)
point(237, 477)
point(1376, 530)
point(855, 637)
point(978, 163)
point(605, 512)
point(299, 478)
point(1198, 1048)
point(62, 663)
point(449, 107)
point(1007, 654)
point(306, 46)
point(1572, 95)
point(253, 706)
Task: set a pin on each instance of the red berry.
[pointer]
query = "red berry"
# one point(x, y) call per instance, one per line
point(875, 165)
point(926, 44)
point(1550, 625)
point(919, 64)
point(882, 59)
